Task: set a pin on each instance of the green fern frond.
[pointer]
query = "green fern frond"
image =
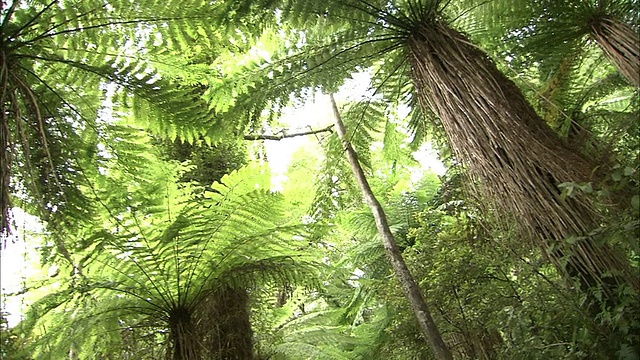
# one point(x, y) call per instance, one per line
point(149, 264)
point(57, 58)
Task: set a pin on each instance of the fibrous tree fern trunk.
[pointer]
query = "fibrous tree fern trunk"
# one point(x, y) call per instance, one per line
point(184, 340)
point(620, 43)
point(223, 319)
point(515, 157)
point(231, 334)
point(409, 286)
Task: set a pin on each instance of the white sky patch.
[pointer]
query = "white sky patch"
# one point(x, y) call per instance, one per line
point(18, 262)
point(317, 113)
point(313, 115)
point(427, 157)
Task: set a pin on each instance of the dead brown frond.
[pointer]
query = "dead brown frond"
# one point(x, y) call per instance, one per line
point(516, 159)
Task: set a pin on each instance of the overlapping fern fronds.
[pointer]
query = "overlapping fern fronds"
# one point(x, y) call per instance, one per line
point(56, 57)
point(347, 330)
point(546, 31)
point(153, 265)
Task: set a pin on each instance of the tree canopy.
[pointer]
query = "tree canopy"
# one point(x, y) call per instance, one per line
point(133, 134)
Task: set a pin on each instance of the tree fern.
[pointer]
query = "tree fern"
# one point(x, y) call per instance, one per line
point(56, 56)
point(148, 268)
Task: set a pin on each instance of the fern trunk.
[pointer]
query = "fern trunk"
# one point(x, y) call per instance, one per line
point(516, 159)
point(409, 286)
point(620, 43)
point(230, 334)
point(184, 340)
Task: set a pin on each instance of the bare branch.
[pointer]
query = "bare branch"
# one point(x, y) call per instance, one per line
point(282, 134)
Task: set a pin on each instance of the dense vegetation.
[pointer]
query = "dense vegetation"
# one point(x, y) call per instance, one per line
point(133, 165)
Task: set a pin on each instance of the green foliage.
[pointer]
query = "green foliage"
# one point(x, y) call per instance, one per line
point(155, 261)
point(207, 163)
point(58, 60)
point(139, 242)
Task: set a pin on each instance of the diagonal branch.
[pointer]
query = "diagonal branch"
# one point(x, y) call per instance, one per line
point(282, 134)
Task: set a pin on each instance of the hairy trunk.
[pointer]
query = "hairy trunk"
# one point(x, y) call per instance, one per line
point(183, 337)
point(620, 43)
point(516, 159)
point(409, 286)
point(230, 336)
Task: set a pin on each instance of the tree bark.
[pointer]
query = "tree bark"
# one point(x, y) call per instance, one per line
point(231, 337)
point(282, 134)
point(620, 43)
point(517, 160)
point(409, 286)
point(184, 341)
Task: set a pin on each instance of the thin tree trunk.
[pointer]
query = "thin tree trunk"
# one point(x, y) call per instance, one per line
point(411, 290)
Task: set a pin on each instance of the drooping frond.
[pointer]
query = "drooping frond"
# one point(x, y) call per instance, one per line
point(547, 30)
point(161, 264)
point(56, 58)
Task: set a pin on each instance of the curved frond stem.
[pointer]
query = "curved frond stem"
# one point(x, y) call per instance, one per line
point(303, 73)
point(24, 142)
point(131, 308)
point(140, 229)
point(468, 10)
point(238, 243)
point(192, 271)
point(163, 292)
point(75, 64)
point(99, 200)
point(106, 24)
point(362, 21)
point(124, 249)
point(133, 57)
point(176, 255)
point(8, 16)
point(75, 111)
point(367, 8)
point(415, 12)
point(32, 20)
point(118, 270)
point(55, 26)
point(385, 15)
point(135, 295)
point(55, 93)
point(405, 70)
point(377, 89)
point(35, 111)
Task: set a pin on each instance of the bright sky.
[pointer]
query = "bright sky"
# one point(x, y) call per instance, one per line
point(17, 263)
